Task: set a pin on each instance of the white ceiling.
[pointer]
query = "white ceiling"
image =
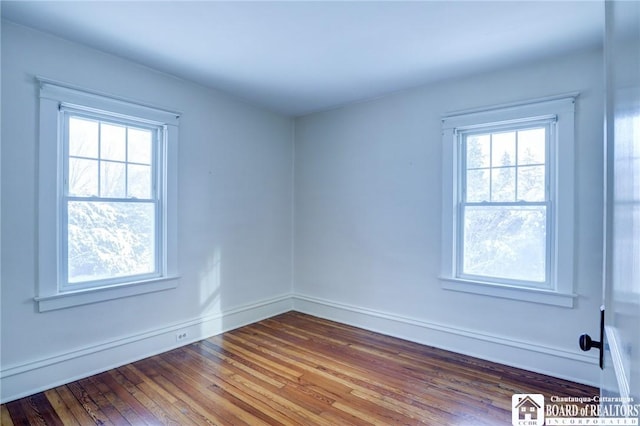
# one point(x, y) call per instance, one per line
point(297, 57)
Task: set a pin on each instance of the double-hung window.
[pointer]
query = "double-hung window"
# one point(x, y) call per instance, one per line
point(107, 224)
point(111, 199)
point(508, 201)
point(505, 203)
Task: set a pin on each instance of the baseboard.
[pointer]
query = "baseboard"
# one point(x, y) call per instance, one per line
point(25, 379)
point(557, 362)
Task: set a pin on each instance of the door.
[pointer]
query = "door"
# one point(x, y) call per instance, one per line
point(621, 287)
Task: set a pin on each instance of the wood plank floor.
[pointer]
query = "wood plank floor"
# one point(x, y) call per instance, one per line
point(293, 369)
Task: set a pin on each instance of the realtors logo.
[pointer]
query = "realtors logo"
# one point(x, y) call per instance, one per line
point(527, 409)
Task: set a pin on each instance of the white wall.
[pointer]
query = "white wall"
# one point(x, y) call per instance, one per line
point(366, 235)
point(235, 197)
point(367, 221)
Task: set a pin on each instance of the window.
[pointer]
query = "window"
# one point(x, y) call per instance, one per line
point(505, 204)
point(111, 200)
point(108, 227)
point(508, 201)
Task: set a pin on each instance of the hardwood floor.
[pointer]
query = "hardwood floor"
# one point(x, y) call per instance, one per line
point(293, 369)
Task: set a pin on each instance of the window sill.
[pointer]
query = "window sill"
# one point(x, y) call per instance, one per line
point(94, 295)
point(542, 296)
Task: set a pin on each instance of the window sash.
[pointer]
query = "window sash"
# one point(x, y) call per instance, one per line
point(463, 135)
point(158, 137)
point(548, 257)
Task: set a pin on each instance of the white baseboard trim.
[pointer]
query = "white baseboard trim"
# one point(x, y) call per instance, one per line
point(558, 362)
point(25, 379)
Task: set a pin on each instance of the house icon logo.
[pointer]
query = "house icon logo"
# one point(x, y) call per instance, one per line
point(527, 409)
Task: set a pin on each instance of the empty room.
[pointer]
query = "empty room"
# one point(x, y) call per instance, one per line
point(320, 212)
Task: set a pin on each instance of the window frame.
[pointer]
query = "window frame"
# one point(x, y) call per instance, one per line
point(560, 251)
point(158, 169)
point(463, 133)
point(56, 99)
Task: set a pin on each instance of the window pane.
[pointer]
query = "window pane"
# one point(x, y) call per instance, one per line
point(110, 240)
point(531, 146)
point(83, 177)
point(478, 149)
point(112, 179)
point(83, 137)
point(503, 184)
point(478, 186)
point(139, 181)
point(139, 146)
point(531, 183)
point(503, 149)
point(112, 142)
point(505, 242)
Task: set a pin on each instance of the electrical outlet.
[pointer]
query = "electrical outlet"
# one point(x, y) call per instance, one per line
point(181, 335)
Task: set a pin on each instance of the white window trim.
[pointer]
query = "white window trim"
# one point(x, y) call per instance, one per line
point(561, 106)
point(49, 293)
